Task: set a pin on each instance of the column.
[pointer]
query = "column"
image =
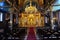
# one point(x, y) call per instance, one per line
point(59, 18)
point(11, 17)
point(11, 20)
point(45, 18)
point(51, 17)
point(16, 17)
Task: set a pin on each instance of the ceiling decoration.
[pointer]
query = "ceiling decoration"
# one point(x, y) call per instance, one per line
point(31, 8)
point(20, 3)
point(41, 2)
point(47, 3)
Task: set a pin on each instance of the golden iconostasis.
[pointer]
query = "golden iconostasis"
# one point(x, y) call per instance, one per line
point(31, 19)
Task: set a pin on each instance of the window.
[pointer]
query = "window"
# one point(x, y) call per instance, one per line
point(1, 16)
point(57, 7)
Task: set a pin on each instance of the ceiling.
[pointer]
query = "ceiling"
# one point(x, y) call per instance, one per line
point(20, 3)
point(40, 2)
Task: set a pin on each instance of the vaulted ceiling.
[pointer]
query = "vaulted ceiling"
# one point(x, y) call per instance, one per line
point(41, 3)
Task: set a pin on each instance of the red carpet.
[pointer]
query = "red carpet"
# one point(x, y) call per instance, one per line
point(31, 34)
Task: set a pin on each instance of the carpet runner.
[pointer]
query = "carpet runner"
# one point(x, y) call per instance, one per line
point(31, 34)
